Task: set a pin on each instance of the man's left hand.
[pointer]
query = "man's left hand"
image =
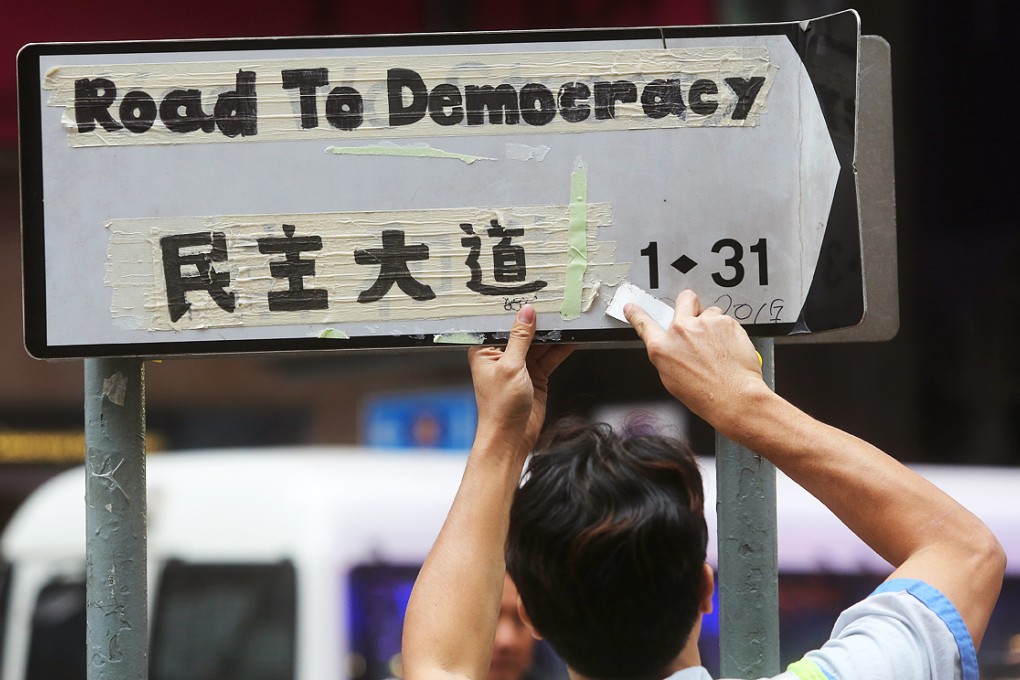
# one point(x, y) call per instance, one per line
point(511, 384)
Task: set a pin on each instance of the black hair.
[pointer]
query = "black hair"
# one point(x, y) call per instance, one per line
point(606, 545)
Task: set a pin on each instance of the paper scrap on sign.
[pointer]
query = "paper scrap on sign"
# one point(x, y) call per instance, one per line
point(660, 312)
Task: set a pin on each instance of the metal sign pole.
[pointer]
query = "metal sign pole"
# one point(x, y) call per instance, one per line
point(115, 578)
point(748, 562)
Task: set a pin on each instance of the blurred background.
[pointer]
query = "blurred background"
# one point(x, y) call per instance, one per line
point(945, 390)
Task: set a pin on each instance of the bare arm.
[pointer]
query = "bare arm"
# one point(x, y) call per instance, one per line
point(451, 617)
point(707, 361)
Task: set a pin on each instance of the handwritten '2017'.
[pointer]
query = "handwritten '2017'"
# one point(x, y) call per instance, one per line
point(743, 311)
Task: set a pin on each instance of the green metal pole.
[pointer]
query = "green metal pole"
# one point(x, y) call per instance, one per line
point(115, 577)
point(748, 566)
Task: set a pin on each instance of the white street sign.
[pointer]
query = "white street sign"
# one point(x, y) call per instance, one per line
point(285, 194)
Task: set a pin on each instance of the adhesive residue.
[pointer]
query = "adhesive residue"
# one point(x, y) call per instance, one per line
point(115, 388)
point(412, 151)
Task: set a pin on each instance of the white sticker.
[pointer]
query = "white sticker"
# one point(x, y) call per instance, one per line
point(660, 312)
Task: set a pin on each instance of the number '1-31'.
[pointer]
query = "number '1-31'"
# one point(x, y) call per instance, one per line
point(732, 272)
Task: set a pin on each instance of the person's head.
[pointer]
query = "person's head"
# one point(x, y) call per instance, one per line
point(607, 546)
point(513, 647)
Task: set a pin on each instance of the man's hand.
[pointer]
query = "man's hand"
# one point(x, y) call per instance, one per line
point(511, 384)
point(704, 358)
point(451, 617)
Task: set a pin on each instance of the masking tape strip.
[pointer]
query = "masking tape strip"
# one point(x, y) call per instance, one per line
point(228, 270)
point(577, 243)
point(259, 98)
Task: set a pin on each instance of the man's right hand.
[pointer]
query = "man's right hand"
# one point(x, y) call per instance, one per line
point(704, 358)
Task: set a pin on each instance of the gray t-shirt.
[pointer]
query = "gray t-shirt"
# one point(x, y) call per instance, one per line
point(905, 630)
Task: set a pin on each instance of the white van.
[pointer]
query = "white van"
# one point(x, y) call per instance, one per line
point(296, 564)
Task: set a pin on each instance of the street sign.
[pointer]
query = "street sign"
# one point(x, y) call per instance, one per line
point(394, 191)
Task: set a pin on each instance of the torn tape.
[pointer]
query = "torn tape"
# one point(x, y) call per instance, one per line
point(523, 152)
point(333, 334)
point(459, 338)
point(115, 388)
